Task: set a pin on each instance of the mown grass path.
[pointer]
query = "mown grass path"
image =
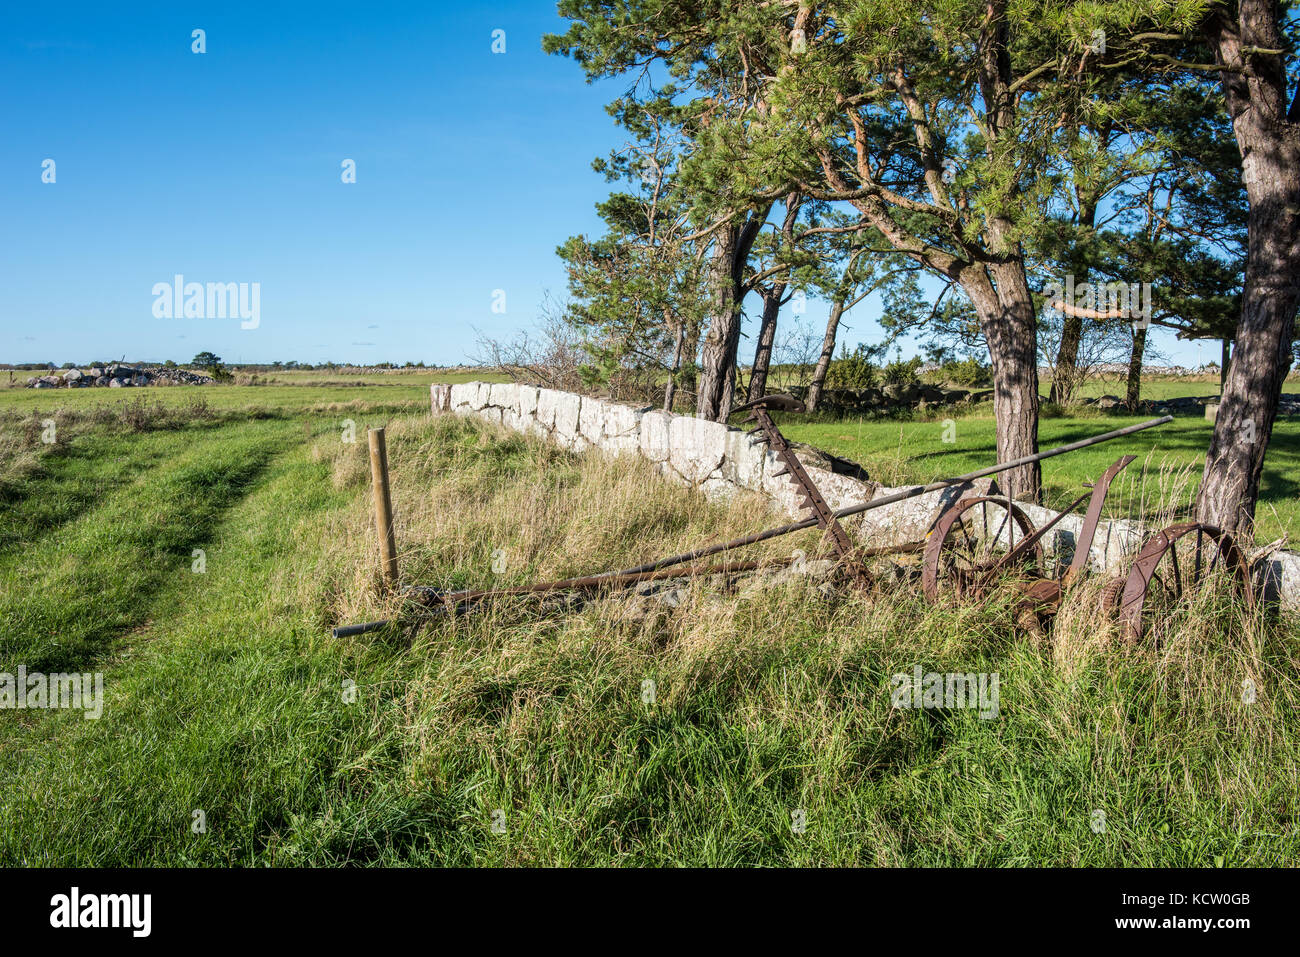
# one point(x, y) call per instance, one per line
point(84, 557)
point(196, 664)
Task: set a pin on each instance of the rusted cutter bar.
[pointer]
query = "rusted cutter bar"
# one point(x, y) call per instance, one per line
point(811, 496)
point(437, 602)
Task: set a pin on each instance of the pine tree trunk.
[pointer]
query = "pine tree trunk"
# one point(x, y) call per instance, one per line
point(1133, 395)
point(1065, 375)
point(766, 337)
point(818, 382)
point(717, 356)
point(1235, 460)
point(690, 361)
point(1268, 135)
point(1067, 358)
point(670, 388)
point(1006, 314)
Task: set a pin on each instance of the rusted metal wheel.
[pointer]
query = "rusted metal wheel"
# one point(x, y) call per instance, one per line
point(967, 547)
point(1108, 600)
point(1174, 565)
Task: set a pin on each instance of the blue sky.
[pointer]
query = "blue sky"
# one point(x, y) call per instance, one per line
point(225, 166)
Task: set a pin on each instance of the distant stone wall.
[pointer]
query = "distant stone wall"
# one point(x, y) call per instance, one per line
point(721, 461)
point(891, 397)
point(117, 376)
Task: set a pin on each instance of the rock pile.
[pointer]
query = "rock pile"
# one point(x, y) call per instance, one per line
point(1289, 404)
point(116, 376)
point(893, 397)
point(890, 397)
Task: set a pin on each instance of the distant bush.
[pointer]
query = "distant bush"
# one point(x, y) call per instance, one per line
point(852, 370)
point(903, 372)
point(966, 372)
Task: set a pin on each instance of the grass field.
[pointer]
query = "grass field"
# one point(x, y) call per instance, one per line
point(293, 391)
point(225, 694)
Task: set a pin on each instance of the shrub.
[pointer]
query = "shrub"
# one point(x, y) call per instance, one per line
point(968, 371)
point(852, 370)
point(900, 372)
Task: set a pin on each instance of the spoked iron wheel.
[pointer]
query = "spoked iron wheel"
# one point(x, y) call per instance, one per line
point(969, 546)
point(1175, 566)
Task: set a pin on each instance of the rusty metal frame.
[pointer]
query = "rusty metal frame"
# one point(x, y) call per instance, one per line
point(811, 495)
point(1043, 594)
point(436, 601)
point(933, 554)
point(1137, 585)
point(1083, 545)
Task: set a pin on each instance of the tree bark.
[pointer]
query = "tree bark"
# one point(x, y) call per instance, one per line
point(1268, 135)
point(1000, 294)
point(773, 295)
point(690, 360)
point(713, 399)
point(766, 337)
point(1067, 359)
point(718, 355)
point(670, 389)
point(1133, 395)
point(818, 382)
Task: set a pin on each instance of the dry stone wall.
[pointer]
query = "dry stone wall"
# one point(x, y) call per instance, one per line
point(116, 376)
point(721, 462)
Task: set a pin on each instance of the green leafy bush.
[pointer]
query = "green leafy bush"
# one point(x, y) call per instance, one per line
point(903, 372)
point(852, 370)
point(969, 371)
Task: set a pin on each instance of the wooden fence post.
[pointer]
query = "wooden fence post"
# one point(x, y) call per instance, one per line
point(383, 507)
